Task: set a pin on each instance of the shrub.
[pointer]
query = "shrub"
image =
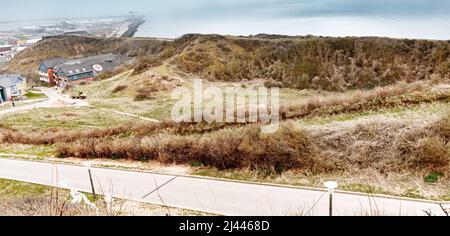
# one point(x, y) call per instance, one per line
point(273, 84)
point(286, 149)
point(400, 94)
point(119, 88)
point(357, 62)
point(431, 153)
point(433, 177)
point(144, 94)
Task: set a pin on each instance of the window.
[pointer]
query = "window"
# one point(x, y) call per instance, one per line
point(14, 90)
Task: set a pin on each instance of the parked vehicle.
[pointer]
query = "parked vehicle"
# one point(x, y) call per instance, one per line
point(79, 95)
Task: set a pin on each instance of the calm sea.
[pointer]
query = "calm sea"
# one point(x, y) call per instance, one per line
point(422, 28)
point(172, 18)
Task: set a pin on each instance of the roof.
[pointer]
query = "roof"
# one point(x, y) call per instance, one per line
point(53, 62)
point(5, 48)
point(102, 63)
point(7, 81)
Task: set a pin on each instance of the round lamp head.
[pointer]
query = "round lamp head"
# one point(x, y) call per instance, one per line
point(87, 164)
point(331, 185)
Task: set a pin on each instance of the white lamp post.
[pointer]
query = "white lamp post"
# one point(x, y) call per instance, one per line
point(331, 186)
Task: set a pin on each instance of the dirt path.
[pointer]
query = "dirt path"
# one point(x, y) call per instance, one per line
point(54, 100)
point(130, 115)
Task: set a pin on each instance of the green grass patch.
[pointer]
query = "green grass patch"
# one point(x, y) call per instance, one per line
point(363, 188)
point(32, 150)
point(437, 107)
point(67, 118)
point(14, 189)
point(433, 177)
point(445, 197)
point(34, 95)
point(413, 193)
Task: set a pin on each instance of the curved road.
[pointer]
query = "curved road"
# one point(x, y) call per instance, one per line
point(208, 195)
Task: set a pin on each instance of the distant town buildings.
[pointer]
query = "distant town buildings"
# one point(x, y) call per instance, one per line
point(10, 46)
point(57, 71)
point(14, 41)
point(12, 87)
point(6, 53)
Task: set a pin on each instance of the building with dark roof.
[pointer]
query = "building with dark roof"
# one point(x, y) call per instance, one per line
point(84, 69)
point(5, 53)
point(47, 69)
point(11, 87)
point(62, 72)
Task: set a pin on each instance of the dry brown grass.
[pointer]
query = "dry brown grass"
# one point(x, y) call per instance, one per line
point(56, 135)
point(119, 88)
point(130, 129)
point(42, 206)
point(60, 205)
point(225, 149)
point(145, 94)
point(337, 64)
point(432, 153)
point(384, 147)
point(387, 147)
point(397, 95)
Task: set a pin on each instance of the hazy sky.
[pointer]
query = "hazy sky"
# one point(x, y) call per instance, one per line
point(171, 18)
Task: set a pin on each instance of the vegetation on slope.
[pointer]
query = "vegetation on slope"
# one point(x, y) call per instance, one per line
point(311, 62)
point(362, 74)
point(394, 96)
point(295, 62)
point(382, 146)
point(25, 199)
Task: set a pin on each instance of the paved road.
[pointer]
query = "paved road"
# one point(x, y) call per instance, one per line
point(220, 197)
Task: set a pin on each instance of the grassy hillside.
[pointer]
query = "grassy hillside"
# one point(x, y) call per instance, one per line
point(296, 62)
point(68, 47)
point(372, 113)
point(312, 62)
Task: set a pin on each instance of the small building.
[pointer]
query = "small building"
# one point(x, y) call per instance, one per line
point(5, 53)
point(85, 69)
point(5, 48)
point(47, 70)
point(12, 87)
point(13, 41)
